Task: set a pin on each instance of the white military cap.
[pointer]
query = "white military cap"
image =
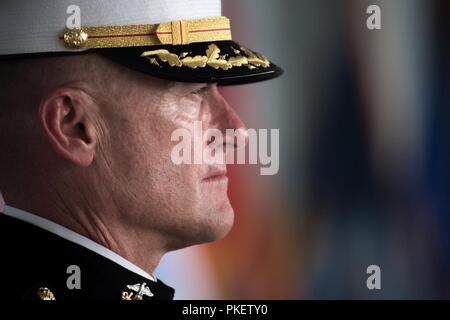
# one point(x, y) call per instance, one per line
point(181, 40)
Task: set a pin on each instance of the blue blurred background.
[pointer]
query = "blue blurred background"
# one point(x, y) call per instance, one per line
point(364, 157)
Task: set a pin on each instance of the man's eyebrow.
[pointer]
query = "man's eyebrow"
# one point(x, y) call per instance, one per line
point(181, 88)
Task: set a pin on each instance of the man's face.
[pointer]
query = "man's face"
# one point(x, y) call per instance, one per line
point(184, 204)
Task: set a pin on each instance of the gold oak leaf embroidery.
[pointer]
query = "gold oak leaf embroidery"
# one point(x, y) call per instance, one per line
point(254, 59)
point(153, 61)
point(212, 59)
point(164, 55)
point(195, 62)
point(238, 61)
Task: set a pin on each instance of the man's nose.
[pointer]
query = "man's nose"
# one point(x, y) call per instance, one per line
point(224, 118)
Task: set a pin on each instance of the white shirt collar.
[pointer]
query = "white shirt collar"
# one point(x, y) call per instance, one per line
point(74, 237)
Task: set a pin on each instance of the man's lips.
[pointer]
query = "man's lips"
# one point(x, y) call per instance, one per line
point(216, 175)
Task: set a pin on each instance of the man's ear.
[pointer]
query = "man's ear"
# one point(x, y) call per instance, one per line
point(66, 116)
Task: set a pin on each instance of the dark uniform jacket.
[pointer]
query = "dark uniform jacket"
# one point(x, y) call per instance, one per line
point(39, 265)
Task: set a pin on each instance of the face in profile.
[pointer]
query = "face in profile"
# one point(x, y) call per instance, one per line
point(185, 204)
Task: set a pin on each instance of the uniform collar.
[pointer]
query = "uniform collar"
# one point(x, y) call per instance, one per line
point(76, 238)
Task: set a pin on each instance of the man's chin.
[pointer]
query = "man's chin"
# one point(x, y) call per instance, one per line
point(223, 228)
point(208, 230)
point(217, 226)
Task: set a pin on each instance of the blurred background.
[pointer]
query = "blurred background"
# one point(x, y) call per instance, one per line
point(364, 158)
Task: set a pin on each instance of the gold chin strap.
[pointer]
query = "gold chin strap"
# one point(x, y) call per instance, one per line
point(172, 33)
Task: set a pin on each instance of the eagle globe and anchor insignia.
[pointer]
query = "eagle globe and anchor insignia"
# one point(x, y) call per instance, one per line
point(140, 290)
